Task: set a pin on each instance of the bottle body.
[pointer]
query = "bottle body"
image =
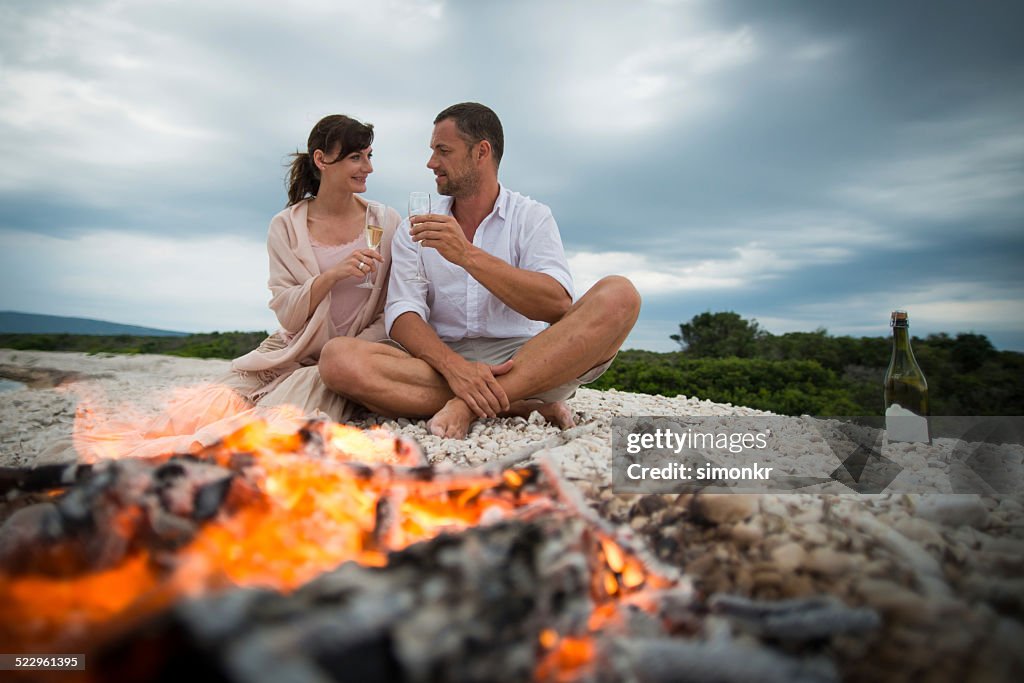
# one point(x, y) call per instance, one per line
point(906, 389)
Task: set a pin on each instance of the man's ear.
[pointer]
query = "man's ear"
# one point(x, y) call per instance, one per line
point(484, 150)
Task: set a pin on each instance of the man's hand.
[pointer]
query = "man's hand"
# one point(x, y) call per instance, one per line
point(475, 384)
point(537, 296)
point(442, 233)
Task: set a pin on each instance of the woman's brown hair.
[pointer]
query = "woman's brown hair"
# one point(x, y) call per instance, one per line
point(334, 131)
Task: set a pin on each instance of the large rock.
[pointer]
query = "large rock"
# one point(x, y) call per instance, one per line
point(953, 510)
point(725, 508)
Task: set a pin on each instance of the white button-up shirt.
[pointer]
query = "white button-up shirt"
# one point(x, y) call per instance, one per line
point(519, 231)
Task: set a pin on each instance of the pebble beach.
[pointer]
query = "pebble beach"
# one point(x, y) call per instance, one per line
point(944, 571)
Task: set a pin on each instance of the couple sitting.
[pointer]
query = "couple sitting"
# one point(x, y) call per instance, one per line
point(493, 332)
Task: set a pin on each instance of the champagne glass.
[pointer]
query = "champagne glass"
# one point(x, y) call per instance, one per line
point(374, 234)
point(419, 204)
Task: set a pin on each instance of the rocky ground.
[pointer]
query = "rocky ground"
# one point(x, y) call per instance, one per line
point(946, 572)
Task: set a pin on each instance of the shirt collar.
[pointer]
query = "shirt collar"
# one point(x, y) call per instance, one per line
point(501, 204)
point(444, 204)
point(504, 198)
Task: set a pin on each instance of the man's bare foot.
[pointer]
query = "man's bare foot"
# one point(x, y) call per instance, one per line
point(452, 421)
point(556, 413)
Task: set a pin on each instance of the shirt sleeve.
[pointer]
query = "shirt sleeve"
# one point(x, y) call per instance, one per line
point(404, 296)
point(540, 247)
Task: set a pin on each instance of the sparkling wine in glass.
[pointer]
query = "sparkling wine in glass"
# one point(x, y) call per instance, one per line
point(374, 233)
point(419, 204)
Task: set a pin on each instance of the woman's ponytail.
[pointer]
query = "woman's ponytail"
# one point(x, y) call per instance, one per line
point(303, 178)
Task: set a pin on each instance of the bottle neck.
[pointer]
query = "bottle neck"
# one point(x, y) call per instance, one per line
point(900, 338)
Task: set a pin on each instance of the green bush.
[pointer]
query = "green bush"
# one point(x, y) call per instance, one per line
point(212, 345)
point(966, 374)
point(791, 387)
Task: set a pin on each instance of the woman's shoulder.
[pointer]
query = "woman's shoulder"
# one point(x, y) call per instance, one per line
point(287, 217)
point(284, 232)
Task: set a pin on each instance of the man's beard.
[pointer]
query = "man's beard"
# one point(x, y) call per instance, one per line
point(464, 185)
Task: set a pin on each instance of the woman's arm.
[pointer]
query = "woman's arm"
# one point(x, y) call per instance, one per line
point(296, 288)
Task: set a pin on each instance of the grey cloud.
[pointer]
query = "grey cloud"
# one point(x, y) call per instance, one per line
point(884, 130)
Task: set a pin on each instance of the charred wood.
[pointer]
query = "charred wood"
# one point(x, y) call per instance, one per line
point(42, 478)
point(121, 507)
point(795, 621)
point(673, 660)
point(463, 608)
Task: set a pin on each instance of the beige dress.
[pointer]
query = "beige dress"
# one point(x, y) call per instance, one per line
point(283, 370)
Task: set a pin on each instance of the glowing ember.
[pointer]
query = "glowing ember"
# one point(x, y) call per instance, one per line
point(302, 516)
point(623, 581)
point(567, 658)
point(300, 503)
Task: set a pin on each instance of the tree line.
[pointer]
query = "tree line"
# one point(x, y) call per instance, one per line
point(728, 359)
point(209, 345)
point(723, 358)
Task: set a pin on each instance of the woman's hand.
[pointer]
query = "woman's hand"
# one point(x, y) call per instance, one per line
point(358, 264)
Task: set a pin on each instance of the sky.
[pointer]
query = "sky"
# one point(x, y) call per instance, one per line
point(804, 164)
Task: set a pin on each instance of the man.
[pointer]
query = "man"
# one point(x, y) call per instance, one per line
point(476, 341)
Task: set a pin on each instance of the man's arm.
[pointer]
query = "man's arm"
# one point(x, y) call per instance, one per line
point(535, 295)
point(474, 383)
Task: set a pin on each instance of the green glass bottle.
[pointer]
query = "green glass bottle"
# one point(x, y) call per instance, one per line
point(906, 390)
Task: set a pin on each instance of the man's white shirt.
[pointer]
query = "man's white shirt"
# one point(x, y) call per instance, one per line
point(519, 231)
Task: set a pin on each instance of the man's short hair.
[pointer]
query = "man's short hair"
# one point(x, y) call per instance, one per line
point(475, 122)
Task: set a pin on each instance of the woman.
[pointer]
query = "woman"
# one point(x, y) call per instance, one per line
point(317, 257)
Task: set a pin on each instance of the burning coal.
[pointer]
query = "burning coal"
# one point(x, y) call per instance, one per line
point(314, 551)
point(270, 510)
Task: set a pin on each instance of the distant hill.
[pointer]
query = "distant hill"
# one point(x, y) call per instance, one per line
point(12, 322)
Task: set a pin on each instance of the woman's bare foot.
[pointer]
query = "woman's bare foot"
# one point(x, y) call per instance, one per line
point(452, 421)
point(556, 413)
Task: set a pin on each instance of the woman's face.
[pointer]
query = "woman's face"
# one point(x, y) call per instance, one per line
point(348, 173)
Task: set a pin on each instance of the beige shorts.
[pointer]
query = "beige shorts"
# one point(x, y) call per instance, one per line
point(495, 351)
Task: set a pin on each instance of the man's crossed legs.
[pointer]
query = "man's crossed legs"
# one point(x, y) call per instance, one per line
point(389, 381)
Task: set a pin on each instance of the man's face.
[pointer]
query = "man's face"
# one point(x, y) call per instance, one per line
point(451, 160)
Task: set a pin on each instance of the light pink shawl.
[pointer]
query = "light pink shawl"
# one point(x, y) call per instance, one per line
point(293, 267)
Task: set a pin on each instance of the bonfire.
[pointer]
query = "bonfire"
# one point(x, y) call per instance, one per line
point(296, 549)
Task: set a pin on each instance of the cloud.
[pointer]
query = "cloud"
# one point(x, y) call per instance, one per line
point(739, 267)
point(781, 161)
point(213, 283)
point(966, 305)
point(735, 256)
point(71, 123)
point(951, 171)
point(656, 84)
point(189, 95)
point(91, 102)
point(936, 307)
point(816, 51)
